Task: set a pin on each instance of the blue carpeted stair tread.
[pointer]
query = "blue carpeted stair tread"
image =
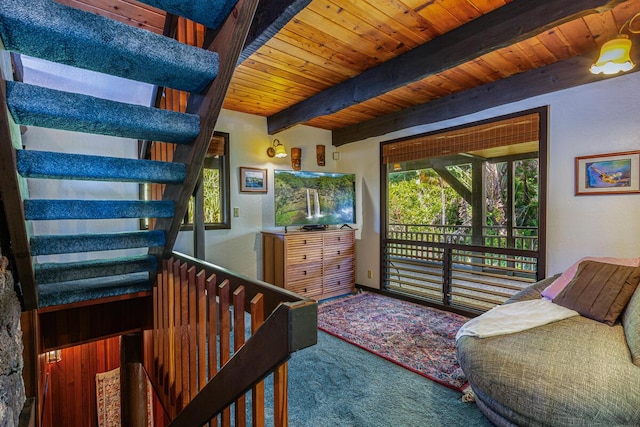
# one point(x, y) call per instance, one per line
point(44, 164)
point(91, 289)
point(66, 244)
point(38, 106)
point(48, 209)
point(210, 13)
point(55, 272)
point(48, 30)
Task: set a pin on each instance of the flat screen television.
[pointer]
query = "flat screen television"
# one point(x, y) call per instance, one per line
point(314, 198)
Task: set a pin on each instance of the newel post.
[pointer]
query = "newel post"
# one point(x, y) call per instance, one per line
point(133, 382)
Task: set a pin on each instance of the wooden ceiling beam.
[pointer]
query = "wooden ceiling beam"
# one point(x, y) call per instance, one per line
point(554, 77)
point(509, 24)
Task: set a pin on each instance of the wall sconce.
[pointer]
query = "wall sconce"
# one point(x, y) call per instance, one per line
point(53, 356)
point(615, 54)
point(276, 150)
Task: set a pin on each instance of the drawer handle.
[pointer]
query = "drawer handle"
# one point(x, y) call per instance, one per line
point(305, 242)
point(338, 252)
point(339, 283)
point(304, 257)
point(338, 239)
point(338, 267)
point(304, 272)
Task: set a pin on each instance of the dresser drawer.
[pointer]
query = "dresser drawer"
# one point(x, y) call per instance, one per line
point(305, 271)
point(338, 251)
point(303, 250)
point(339, 283)
point(310, 288)
point(338, 265)
point(343, 239)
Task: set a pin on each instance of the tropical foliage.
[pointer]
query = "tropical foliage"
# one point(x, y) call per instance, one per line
point(424, 197)
point(212, 198)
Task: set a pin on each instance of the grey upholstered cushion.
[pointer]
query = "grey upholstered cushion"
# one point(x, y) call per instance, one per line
point(572, 372)
point(631, 323)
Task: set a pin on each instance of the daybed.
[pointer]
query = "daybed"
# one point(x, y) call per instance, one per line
point(572, 372)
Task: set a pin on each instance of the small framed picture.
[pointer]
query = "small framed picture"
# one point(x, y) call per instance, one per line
point(253, 180)
point(615, 173)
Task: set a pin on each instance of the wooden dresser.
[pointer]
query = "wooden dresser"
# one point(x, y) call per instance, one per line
point(316, 264)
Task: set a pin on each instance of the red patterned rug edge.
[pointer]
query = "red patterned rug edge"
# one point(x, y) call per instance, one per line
point(415, 371)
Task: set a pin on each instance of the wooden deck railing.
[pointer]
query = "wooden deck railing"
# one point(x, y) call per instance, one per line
point(494, 236)
point(465, 277)
point(216, 335)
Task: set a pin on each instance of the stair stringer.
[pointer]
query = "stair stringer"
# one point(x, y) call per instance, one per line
point(13, 190)
point(228, 43)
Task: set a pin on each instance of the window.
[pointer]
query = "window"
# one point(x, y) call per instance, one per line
point(463, 210)
point(211, 195)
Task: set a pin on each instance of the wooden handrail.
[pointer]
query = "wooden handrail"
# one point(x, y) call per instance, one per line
point(192, 337)
point(273, 295)
point(271, 346)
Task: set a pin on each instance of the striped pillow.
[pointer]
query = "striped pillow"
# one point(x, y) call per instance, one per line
point(600, 291)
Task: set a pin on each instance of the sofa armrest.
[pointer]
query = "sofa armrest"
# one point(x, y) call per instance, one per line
point(532, 291)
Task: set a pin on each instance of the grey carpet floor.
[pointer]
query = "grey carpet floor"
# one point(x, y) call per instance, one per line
point(337, 384)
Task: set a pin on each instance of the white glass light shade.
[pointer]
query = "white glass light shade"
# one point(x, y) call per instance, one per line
point(614, 57)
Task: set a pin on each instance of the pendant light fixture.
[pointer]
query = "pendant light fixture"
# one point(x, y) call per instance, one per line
point(615, 54)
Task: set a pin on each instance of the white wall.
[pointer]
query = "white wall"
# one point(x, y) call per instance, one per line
point(592, 119)
point(62, 77)
point(240, 248)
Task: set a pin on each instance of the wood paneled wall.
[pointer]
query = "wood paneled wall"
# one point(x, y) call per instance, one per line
point(190, 33)
point(71, 396)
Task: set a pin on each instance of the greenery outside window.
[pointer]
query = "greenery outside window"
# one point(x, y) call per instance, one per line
point(463, 212)
point(211, 194)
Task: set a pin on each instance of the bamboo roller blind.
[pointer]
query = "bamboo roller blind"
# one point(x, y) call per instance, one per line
point(500, 133)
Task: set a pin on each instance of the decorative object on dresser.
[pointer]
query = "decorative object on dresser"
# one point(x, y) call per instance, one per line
point(316, 264)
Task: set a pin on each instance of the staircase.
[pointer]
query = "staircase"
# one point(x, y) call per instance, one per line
point(47, 30)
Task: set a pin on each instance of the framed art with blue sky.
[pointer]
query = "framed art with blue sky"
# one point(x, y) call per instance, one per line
point(614, 173)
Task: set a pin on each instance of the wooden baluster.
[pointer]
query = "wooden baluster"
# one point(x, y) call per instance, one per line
point(184, 333)
point(257, 393)
point(170, 386)
point(212, 304)
point(193, 320)
point(155, 368)
point(160, 336)
point(164, 380)
point(225, 328)
point(238, 341)
point(280, 392)
point(201, 328)
point(177, 338)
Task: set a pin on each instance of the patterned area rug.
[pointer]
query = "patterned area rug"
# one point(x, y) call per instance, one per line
point(108, 399)
point(418, 338)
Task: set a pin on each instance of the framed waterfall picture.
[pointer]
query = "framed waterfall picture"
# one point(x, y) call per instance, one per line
point(253, 180)
point(614, 173)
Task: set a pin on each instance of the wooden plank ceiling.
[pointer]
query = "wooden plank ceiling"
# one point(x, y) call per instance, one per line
point(331, 43)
